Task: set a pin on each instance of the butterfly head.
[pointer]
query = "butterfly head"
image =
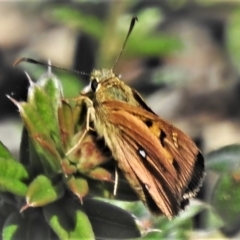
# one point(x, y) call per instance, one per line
point(98, 78)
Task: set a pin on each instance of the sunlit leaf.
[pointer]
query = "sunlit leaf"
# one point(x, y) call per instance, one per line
point(42, 191)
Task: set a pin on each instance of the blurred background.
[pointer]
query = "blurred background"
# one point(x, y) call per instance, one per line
point(183, 56)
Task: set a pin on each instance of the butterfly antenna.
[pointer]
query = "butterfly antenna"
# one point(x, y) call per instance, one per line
point(133, 21)
point(30, 60)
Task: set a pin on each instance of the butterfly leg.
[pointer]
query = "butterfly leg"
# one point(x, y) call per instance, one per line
point(90, 116)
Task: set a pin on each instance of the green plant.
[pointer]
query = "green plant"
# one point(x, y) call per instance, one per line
point(45, 195)
point(42, 194)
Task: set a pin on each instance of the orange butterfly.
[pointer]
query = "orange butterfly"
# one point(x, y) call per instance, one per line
point(161, 163)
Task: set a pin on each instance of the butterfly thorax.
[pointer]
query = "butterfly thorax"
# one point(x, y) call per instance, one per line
point(111, 87)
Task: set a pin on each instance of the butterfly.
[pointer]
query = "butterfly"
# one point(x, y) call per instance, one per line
point(162, 164)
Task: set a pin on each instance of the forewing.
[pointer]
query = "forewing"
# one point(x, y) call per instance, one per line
point(170, 148)
point(145, 163)
point(180, 146)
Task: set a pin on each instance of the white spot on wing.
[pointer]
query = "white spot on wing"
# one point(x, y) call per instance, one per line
point(142, 153)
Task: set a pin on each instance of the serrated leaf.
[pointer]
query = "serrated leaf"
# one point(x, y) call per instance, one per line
point(40, 116)
point(32, 119)
point(53, 89)
point(43, 143)
point(47, 101)
point(68, 220)
point(44, 98)
point(42, 191)
point(109, 221)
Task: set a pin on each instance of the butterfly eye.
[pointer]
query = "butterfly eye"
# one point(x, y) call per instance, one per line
point(94, 85)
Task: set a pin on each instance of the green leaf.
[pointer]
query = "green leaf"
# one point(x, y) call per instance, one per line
point(185, 216)
point(13, 226)
point(71, 84)
point(37, 228)
point(109, 221)
point(45, 98)
point(8, 204)
point(43, 143)
point(12, 169)
point(68, 220)
point(154, 45)
point(79, 186)
point(4, 152)
point(12, 186)
point(42, 191)
point(226, 194)
point(35, 165)
point(225, 159)
point(5, 210)
point(11, 175)
point(226, 199)
point(48, 155)
point(233, 36)
point(40, 116)
point(74, 18)
point(28, 228)
point(65, 116)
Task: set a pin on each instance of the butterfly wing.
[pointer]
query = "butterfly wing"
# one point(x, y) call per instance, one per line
point(166, 165)
point(183, 149)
